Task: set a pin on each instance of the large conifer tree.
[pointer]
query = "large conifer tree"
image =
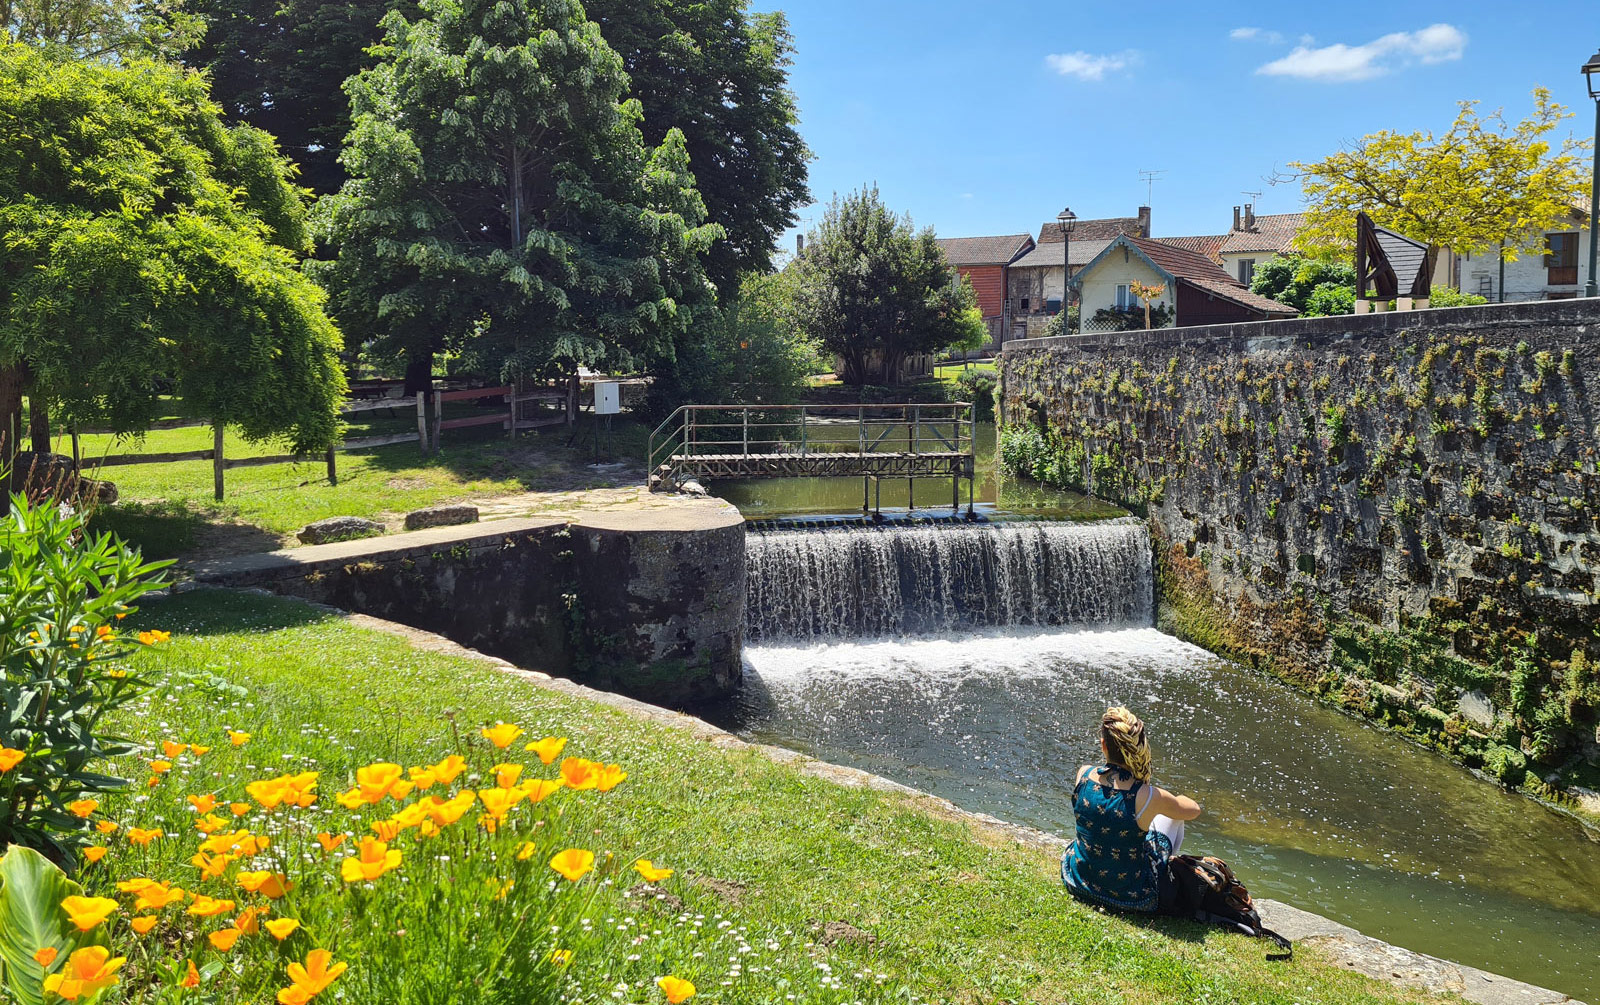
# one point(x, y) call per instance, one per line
point(502, 202)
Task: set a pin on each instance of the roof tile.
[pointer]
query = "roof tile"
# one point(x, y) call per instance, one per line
point(984, 250)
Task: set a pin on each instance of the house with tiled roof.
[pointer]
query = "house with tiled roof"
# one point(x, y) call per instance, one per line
point(1197, 290)
point(1209, 245)
point(1554, 266)
point(1034, 282)
point(984, 261)
point(1255, 240)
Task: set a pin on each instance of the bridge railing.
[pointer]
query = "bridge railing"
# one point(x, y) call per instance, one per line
point(756, 431)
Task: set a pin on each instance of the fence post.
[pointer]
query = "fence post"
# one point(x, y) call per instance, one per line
point(438, 420)
point(216, 458)
point(422, 420)
point(511, 406)
point(77, 451)
point(746, 413)
point(333, 468)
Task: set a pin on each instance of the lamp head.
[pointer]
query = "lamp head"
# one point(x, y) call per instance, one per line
point(1068, 219)
point(1591, 75)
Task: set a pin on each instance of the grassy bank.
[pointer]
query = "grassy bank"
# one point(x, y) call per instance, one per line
point(934, 913)
point(168, 509)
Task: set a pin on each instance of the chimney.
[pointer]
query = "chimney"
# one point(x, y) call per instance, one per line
point(1250, 217)
point(1236, 226)
point(1144, 221)
point(799, 245)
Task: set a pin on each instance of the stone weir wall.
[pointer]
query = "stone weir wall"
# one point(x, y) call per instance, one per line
point(648, 603)
point(1397, 511)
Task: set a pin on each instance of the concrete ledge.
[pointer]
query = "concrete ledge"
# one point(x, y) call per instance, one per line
point(1343, 945)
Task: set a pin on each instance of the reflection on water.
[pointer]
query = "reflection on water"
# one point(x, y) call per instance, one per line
point(1314, 808)
point(992, 493)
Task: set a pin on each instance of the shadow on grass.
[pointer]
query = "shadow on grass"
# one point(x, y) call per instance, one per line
point(556, 458)
point(170, 529)
point(216, 611)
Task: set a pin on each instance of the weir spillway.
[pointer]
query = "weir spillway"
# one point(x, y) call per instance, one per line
point(881, 582)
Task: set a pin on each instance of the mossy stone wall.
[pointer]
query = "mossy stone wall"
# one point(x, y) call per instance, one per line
point(1400, 512)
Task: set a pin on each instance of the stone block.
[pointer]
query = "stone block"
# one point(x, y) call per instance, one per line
point(1475, 705)
point(338, 528)
point(441, 516)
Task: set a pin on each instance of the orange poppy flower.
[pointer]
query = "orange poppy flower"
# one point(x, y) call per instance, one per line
point(574, 863)
point(548, 748)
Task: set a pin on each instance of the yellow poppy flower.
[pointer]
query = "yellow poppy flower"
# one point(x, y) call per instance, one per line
point(153, 637)
point(428, 828)
point(505, 775)
point(223, 940)
point(445, 812)
point(10, 758)
point(447, 770)
point(106, 826)
point(373, 858)
point(143, 923)
point(82, 808)
point(88, 971)
point(272, 885)
point(198, 751)
point(95, 853)
point(135, 884)
point(560, 957)
point(675, 989)
point(239, 809)
point(191, 977)
point(574, 863)
point(160, 767)
point(211, 866)
point(609, 777)
point(210, 907)
point(210, 824)
point(282, 928)
point(141, 836)
point(314, 977)
point(536, 790)
point(46, 955)
point(526, 851)
point(580, 774)
point(423, 778)
point(248, 920)
point(88, 912)
point(648, 870)
point(501, 734)
point(171, 749)
point(499, 801)
point(411, 816)
point(329, 842)
point(293, 996)
point(548, 748)
point(203, 804)
point(375, 780)
point(156, 896)
point(237, 738)
point(387, 830)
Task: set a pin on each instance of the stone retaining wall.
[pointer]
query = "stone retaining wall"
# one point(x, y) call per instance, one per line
point(649, 603)
point(1398, 511)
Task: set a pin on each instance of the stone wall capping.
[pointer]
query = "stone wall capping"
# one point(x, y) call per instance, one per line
point(1345, 946)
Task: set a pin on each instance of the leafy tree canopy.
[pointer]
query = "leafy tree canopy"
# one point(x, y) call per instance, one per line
point(873, 290)
point(101, 29)
point(718, 72)
point(1482, 182)
point(1292, 279)
point(280, 65)
point(502, 202)
point(148, 249)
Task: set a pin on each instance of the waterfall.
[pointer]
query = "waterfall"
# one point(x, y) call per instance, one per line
point(857, 582)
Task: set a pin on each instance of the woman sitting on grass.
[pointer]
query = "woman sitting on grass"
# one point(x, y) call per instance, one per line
point(1127, 827)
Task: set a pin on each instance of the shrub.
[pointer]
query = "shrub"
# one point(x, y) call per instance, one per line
point(977, 386)
point(1112, 319)
point(63, 592)
point(1329, 299)
point(1445, 296)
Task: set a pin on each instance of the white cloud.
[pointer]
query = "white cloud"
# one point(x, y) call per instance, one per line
point(1255, 35)
point(1087, 66)
point(1340, 63)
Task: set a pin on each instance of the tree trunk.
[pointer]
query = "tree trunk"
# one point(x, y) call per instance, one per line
point(39, 422)
point(419, 371)
point(11, 381)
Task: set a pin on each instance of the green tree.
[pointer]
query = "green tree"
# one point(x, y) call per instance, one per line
point(719, 72)
point(1482, 182)
point(108, 30)
point(873, 290)
point(280, 65)
point(151, 249)
point(1292, 279)
point(502, 203)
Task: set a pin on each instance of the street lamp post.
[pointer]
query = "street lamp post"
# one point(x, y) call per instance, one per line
point(1591, 75)
point(1066, 221)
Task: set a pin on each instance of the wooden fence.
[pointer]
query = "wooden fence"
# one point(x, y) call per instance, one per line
point(512, 419)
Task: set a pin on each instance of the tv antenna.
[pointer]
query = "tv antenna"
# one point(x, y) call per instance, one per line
point(1150, 178)
point(1254, 195)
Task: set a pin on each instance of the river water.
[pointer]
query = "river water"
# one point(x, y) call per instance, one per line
point(1323, 811)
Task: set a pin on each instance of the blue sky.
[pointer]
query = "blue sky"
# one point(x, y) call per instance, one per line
point(987, 116)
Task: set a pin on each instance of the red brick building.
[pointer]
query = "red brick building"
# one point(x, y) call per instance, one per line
point(983, 261)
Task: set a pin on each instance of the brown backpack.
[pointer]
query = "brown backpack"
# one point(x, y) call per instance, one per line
point(1205, 889)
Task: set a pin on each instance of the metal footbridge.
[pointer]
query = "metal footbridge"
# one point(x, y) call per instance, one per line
point(871, 442)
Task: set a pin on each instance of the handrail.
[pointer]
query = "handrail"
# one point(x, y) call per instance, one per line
point(931, 428)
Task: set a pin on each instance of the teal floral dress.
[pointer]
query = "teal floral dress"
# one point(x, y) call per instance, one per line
point(1114, 861)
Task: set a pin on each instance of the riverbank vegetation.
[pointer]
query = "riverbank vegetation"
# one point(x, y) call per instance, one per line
point(788, 887)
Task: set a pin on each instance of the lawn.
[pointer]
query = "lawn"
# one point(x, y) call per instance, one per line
point(776, 861)
point(169, 509)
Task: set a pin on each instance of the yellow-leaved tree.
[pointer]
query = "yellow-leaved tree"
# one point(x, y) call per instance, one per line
point(1483, 182)
point(1147, 295)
